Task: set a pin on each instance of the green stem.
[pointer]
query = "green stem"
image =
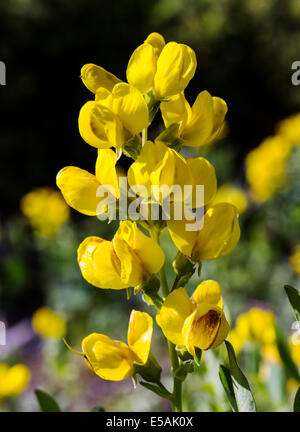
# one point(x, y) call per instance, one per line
point(177, 383)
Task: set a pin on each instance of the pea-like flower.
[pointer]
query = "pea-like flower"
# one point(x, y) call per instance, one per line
point(79, 187)
point(231, 194)
point(294, 259)
point(199, 124)
point(159, 165)
point(218, 236)
point(45, 210)
point(114, 117)
point(126, 261)
point(166, 69)
point(13, 379)
point(197, 322)
point(49, 324)
point(114, 360)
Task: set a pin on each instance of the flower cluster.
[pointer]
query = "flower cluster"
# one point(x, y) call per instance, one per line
point(116, 122)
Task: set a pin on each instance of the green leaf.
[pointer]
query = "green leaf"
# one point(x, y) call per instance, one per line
point(286, 357)
point(160, 390)
point(297, 401)
point(98, 409)
point(46, 402)
point(243, 396)
point(294, 298)
point(226, 380)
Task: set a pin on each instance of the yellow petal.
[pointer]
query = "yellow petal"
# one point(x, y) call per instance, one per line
point(157, 41)
point(111, 360)
point(132, 271)
point(141, 67)
point(149, 253)
point(176, 110)
point(184, 240)
point(233, 195)
point(94, 76)
point(140, 171)
point(220, 233)
point(203, 174)
point(79, 189)
point(176, 66)
point(99, 265)
point(139, 336)
point(99, 126)
point(207, 292)
point(222, 333)
point(47, 323)
point(106, 169)
point(200, 330)
point(220, 110)
point(131, 107)
point(173, 313)
point(200, 126)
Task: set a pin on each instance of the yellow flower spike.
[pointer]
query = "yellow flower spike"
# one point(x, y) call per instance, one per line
point(49, 324)
point(79, 187)
point(142, 64)
point(199, 124)
point(128, 260)
point(13, 380)
point(233, 195)
point(45, 210)
point(99, 126)
point(194, 322)
point(94, 76)
point(219, 235)
point(114, 360)
point(176, 66)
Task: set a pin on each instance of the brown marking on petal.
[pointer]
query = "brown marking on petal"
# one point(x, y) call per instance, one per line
point(208, 324)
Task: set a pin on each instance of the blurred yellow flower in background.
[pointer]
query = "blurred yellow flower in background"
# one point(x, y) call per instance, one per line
point(45, 210)
point(233, 195)
point(295, 259)
point(48, 323)
point(295, 351)
point(289, 128)
point(255, 325)
point(265, 167)
point(114, 360)
point(13, 380)
point(194, 322)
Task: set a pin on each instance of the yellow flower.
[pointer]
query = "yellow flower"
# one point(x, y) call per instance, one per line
point(219, 235)
point(295, 259)
point(47, 323)
point(194, 322)
point(289, 129)
point(45, 209)
point(199, 124)
point(114, 360)
point(13, 380)
point(79, 187)
point(164, 69)
point(94, 76)
point(265, 167)
point(270, 353)
point(128, 260)
point(256, 325)
point(233, 195)
point(114, 117)
point(159, 165)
